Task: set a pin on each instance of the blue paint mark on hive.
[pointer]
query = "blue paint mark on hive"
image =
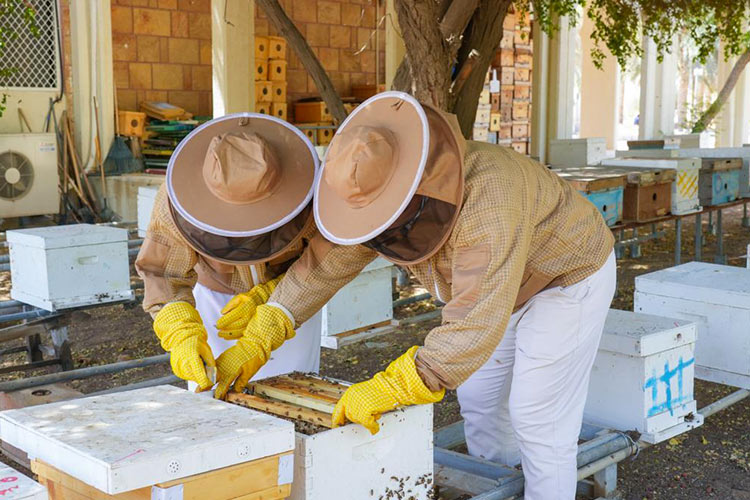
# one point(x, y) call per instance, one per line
point(670, 401)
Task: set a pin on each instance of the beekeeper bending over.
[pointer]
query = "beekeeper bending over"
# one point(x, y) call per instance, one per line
point(233, 215)
point(523, 263)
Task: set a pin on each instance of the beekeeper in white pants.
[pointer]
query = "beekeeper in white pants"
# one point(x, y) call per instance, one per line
point(234, 213)
point(525, 404)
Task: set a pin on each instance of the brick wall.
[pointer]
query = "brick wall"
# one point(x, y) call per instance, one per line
point(162, 48)
point(336, 31)
point(162, 52)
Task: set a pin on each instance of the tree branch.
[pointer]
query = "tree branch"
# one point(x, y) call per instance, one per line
point(456, 18)
point(484, 35)
point(289, 31)
point(708, 116)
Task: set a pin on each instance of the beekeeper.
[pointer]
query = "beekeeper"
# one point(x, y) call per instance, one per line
point(234, 213)
point(524, 265)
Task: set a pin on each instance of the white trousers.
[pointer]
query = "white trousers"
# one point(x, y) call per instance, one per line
point(300, 353)
point(526, 403)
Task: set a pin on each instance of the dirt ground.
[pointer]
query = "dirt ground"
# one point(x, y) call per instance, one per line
point(710, 462)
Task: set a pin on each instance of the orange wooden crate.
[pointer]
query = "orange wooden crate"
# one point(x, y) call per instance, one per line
point(276, 47)
point(279, 91)
point(261, 47)
point(278, 109)
point(277, 70)
point(309, 112)
point(131, 123)
point(261, 69)
point(263, 91)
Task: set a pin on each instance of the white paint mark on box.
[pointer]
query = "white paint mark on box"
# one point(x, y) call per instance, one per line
point(643, 375)
point(717, 299)
point(60, 267)
point(124, 441)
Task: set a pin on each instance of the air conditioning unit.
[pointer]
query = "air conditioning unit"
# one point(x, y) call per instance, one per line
point(28, 175)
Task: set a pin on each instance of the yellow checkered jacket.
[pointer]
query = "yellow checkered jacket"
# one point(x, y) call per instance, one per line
point(170, 267)
point(521, 230)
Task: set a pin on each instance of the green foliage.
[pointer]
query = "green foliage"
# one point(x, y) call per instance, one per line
point(619, 24)
point(9, 11)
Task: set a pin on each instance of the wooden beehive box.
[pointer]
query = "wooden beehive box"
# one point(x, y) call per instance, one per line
point(720, 180)
point(653, 358)
point(576, 152)
point(149, 442)
point(685, 199)
point(603, 189)
point(717, 298)
point(648, 192)
point(395, 463)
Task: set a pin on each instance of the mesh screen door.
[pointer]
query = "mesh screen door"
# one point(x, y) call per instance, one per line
point(33, 60)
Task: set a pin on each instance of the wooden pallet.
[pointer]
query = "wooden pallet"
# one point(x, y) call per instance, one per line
point(301, 397)
point(256, 480)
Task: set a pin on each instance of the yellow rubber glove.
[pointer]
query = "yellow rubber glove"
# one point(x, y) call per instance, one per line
point(266, 331)
point(238, 311)
point(398, 385)
point(181, 332)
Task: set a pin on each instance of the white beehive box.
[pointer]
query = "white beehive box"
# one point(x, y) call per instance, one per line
point(643, 375)
point(743, 152)
point(60, 267)
point(146, 199)
point(129, 440)
point(685, 199)
point(576, 152)
point(366, 301)
point(349, 462)
point(16, 486)
point(717, 299)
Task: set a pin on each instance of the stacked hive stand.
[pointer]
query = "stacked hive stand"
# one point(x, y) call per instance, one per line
point(270, 76)
point(504, 111)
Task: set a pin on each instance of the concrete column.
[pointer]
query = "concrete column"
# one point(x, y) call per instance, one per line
point(394, 44)
point(539, 87)
point(91, 44)
point(562, 66)
point(742, 110)
point(233, 56)
point(600, 91)
point(732, 126)
point(658, 93)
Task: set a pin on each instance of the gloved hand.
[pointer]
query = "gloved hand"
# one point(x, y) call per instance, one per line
point(181, 332)
point(398, 385)
point(238, 311)
point(266, 331)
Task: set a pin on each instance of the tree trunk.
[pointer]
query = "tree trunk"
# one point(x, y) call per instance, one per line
point(428, 56)
point(483, 35)
point(289, 31)
point(708, 116)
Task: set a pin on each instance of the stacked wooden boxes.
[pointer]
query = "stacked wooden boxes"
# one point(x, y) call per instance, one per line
point(270, 76)
point(685, 199)
point(648, 192)
point(481, 130)
point(605, 190)
point(315, 120)
point(720, 180)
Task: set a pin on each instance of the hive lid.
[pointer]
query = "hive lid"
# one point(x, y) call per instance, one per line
point(700, 281)
point(73, 235)
point(124, 441)
point(636, 334)
point(673, 163)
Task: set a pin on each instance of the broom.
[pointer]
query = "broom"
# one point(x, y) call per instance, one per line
point(120, 159)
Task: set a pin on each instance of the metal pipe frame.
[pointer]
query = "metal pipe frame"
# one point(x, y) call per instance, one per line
point(596, 456)
point(91, 371)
